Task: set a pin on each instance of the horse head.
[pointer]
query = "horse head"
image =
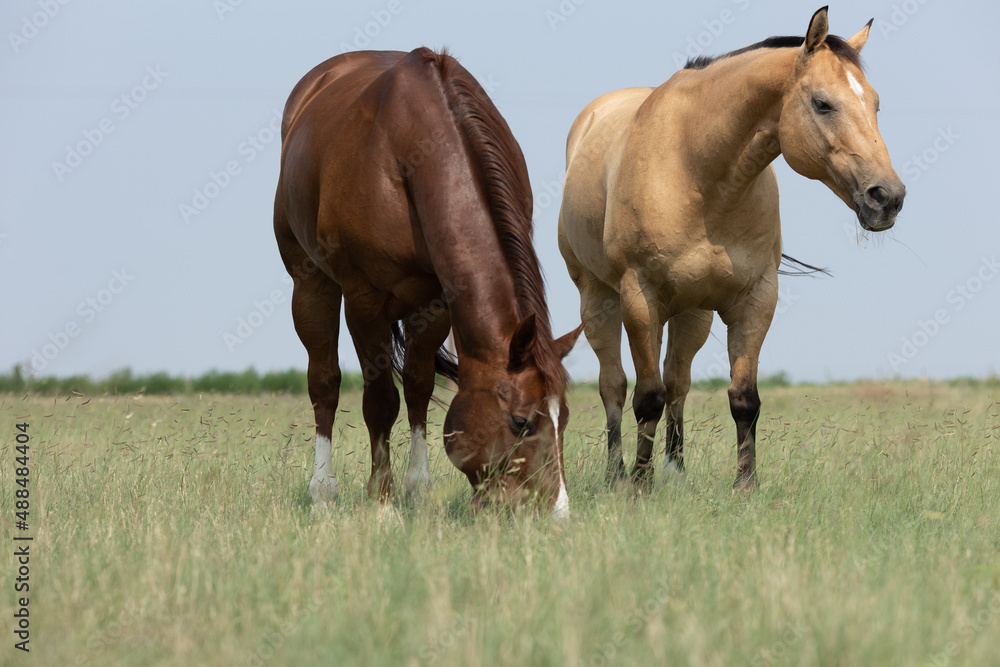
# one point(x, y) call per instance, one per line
point(504, 427)
point(829, 128)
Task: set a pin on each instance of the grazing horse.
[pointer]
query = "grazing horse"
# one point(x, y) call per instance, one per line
point(670, 212)
point(404, 195)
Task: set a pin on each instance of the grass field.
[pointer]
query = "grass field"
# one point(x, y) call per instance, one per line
point(177, 531)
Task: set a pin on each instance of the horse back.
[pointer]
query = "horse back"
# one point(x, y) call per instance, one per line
point(345, 73)
point(347, 137)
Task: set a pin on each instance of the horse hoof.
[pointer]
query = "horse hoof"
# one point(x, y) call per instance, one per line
point(745, 483)
point(642, 477)
point(417, 483)
point(672, 472)
point(615, 474)
point(323, 489)
point(388, 516)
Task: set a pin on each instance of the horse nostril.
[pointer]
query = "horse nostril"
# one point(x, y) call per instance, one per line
point(876, 197)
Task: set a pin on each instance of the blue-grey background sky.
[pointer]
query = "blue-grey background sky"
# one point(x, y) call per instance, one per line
point(116, 115)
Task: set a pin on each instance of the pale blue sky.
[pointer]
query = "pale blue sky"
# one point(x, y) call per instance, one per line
point(167, 105)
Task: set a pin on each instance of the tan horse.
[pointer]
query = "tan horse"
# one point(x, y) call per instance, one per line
point(670, 212)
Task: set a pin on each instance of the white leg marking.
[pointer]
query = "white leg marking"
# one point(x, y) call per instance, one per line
point(561, 509)
point(671, 471)
point(418, 474)
point(323, 486)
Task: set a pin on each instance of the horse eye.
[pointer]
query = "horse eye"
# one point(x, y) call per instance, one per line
point(821, 106)
point(520, 425)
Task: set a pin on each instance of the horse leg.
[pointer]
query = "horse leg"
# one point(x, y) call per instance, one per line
point(422, 344)
point(601, 312)
point(748, 321)
point(316, 315)
point(644, 326)
point(380, 401)
point(686, 334)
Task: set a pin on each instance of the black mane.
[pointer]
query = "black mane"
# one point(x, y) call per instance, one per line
point(841, 48)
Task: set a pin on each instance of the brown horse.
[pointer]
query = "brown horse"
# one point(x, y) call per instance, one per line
point(670, 212)
point(403, 194)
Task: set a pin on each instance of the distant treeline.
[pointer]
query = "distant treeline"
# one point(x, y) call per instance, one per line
point(292, 381)
point(125, 381)
point(250, 381)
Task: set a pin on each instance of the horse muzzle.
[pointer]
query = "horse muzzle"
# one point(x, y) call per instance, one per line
point(878, 206)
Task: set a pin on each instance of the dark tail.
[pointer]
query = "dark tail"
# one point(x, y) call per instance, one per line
point(794, 267)
point(445, 363)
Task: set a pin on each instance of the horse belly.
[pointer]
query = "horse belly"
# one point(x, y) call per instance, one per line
point(706, 277)
point(392, 268)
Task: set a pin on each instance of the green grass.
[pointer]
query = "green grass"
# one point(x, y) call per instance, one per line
point(177, 531)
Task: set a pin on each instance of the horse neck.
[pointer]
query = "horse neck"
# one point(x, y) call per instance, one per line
point(735, 134)
point(479, 290)
point(465, 251)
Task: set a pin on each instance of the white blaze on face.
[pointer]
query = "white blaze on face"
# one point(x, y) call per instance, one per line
point(856, 87)
point(561, 509)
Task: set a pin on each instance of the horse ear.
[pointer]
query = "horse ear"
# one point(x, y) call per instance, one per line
point(859, 39)
point(819, 26)
point(565, 344)
point(521, 344)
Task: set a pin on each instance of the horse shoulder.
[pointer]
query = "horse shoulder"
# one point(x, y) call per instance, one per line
point(604, 118)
